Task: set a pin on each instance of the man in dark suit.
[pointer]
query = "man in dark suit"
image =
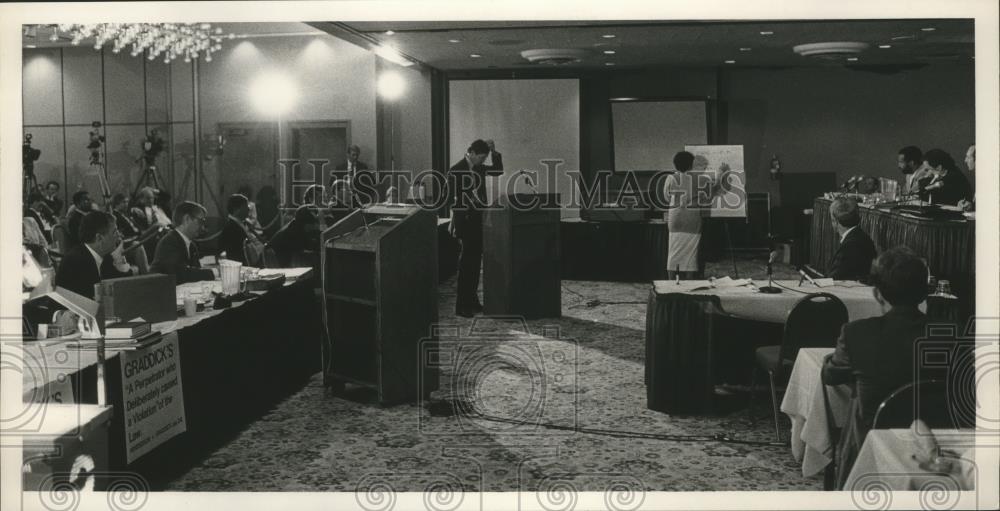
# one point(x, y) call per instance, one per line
point(300, 235)
point(854, 255)
point(81, 206)
point(877, 353)
point(234, 233)
point(467, 180)
point(363, 183)
point(52, 199)
point(176, 253)
point(95, 258)
point(946, 184)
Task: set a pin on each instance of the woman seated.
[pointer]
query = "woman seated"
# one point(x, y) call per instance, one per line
point(876, 354)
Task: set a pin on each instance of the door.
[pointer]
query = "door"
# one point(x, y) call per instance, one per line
point(248, 162)
point(321, 140)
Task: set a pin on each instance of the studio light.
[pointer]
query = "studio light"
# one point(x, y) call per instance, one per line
point(273, 93)
point(391, 85)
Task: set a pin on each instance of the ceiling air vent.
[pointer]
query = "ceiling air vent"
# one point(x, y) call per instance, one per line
point(554, 57)
point(830, 51)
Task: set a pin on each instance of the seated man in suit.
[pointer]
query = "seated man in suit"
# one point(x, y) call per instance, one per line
point(910, 161)
point(301, 234)
point(97, 257)
point(81, 206)
point(52, 199)
point(946, 184)
point(234, 233)
point(877, 353)
point(176, 253)
point(854, 256)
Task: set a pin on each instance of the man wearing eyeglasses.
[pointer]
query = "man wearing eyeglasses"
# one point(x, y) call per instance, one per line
point(97, 257)
point(177, 253)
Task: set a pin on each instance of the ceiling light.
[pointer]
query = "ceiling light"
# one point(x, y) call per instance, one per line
point(852, 59)
point(172, 40)
point(830, 50)
point(555, 56)
point(928, 29)
point(273, 93)
point(745, 49)
point(389, 32)
point(475, 55)
point(609, 63)
point(389, 53)
point(730, 62)
point(885, 46)
point(30, 46)
point(454, 40)
point(390, 85)
point(766, 32)
point(609, 52)
point(608, 36)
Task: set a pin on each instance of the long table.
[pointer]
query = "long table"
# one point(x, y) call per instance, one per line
point(697, 336)
point(235, 364)
point(948, 246)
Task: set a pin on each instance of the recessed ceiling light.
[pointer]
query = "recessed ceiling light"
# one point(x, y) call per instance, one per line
point(454, 40)
point(609, 52)
point(852, 59)
point(475, 55)
point(389, 32)
point(609, 63)
point(608, 36)
point(928, 29)
point(730, 62)
point(885, 46)
point(766, 32)
point(30, 46)
point(745, 49)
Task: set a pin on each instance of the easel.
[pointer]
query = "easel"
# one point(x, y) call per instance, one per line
point(732, 250)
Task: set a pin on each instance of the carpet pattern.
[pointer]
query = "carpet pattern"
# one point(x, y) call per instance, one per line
point(581, 374)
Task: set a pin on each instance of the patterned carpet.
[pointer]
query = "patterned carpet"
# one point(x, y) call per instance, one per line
point(584, 370)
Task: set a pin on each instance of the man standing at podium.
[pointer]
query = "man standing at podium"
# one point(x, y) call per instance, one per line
point(467, 180)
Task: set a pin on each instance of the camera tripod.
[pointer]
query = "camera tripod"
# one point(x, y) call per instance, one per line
point(148, 178)
point(30, 182)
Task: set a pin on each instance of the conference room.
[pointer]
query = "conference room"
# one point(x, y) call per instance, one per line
point(531, 257)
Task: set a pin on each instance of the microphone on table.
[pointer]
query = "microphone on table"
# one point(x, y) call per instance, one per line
point(805, 276)
point(770, 288)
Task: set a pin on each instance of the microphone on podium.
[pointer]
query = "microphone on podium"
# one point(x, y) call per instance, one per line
point(770, 288)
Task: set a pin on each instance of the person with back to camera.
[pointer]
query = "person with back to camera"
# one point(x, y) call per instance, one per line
point(854, 255)
point(877, 353)
point(684, 217)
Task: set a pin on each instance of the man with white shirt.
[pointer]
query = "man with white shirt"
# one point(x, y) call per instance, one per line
point(910, 161)
point(177, 253)
point(97, 257)
point(853, 259)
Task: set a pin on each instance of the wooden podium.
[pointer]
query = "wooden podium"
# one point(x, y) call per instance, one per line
point(521, 257)
point(379, 270)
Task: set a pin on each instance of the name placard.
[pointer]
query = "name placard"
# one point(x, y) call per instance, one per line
point(153, 396)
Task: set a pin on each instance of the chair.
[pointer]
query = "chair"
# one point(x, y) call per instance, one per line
point(814, 322)
point(933, 406)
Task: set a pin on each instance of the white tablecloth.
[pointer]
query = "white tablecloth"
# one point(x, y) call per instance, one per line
point(748, 303)
point(885, 462)
point(803, 403)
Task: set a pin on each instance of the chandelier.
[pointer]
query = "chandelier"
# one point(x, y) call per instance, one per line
point(172, 40)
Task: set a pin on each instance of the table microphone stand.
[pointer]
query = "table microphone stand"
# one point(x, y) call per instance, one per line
point(770, 288)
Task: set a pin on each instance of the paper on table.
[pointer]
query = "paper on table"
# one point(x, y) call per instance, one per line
point(729, 282)
point(824, 282)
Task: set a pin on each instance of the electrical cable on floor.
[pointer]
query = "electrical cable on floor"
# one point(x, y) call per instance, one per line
point(719, 437)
